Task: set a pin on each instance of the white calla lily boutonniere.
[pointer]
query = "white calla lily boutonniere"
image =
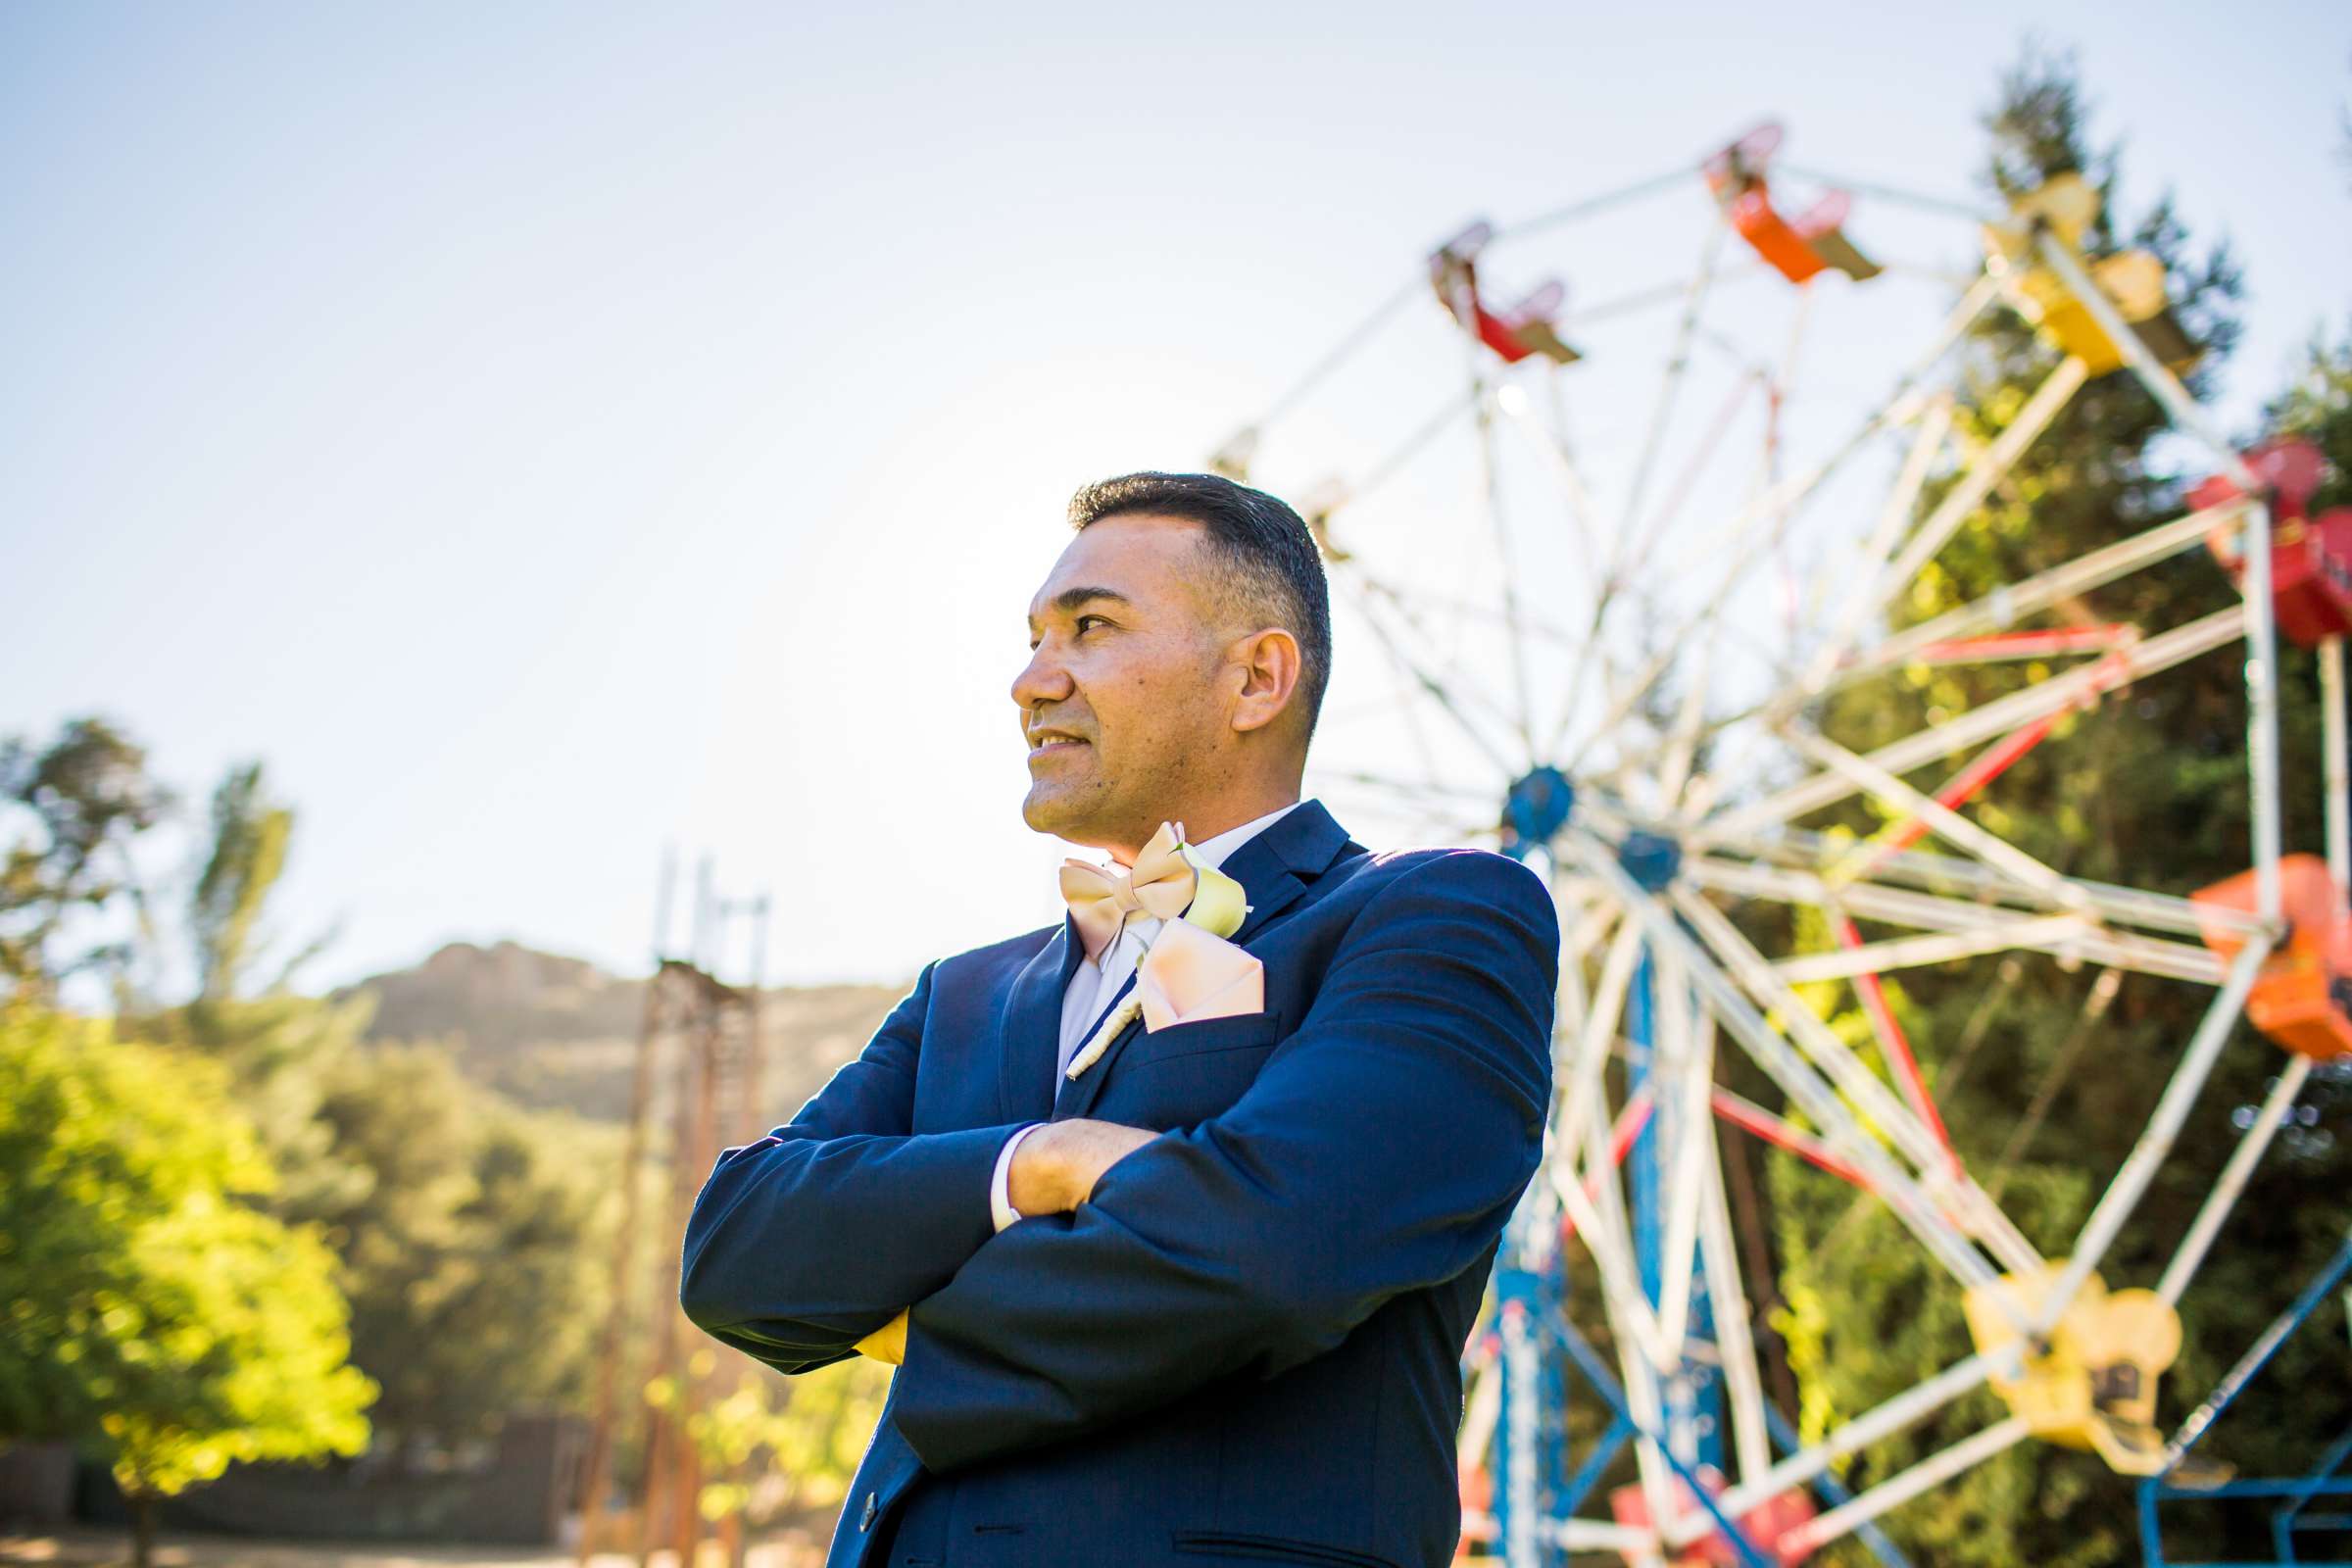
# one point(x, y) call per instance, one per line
point(1190, 971)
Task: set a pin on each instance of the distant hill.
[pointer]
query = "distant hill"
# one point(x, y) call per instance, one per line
point(557, 1032)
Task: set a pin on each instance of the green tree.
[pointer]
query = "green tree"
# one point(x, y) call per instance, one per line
point(278, 1046)
point(2318, 405)
point(471, 1246)
point(154, 1312)
point(83, 798)
point(2045, 1075)
point(250, 835)
point(775, 1447)
point(466, 1230)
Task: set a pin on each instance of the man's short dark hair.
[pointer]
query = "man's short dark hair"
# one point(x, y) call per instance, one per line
point(1272, 570)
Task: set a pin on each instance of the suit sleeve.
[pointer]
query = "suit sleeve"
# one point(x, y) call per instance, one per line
point(1259, 1239)
point(811, 1238)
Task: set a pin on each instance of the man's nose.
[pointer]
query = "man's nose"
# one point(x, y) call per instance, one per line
point(1041, 679)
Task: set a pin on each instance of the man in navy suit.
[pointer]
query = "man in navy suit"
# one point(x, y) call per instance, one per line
point(1204, 1301)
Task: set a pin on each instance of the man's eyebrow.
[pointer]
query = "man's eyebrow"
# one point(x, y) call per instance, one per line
point(1070, 598)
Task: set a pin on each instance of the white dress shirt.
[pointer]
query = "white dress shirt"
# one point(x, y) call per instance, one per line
point(1095, 985)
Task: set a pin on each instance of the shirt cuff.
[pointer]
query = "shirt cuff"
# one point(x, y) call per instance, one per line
point(1000, 1205)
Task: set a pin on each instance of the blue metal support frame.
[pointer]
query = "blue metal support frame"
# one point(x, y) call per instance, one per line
point(1596, 1373)
point(1694, 1396)
point(1532, 1286)
point(2283, 1519)
point(1596, 1464)
point(2320, 1481)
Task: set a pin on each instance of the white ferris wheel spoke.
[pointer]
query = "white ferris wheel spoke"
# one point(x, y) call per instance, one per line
point(2012, 602)
point(2262, 664)
point(1735, 1329)
point(1796, 1076)
point(1940, 820)
point(1992, 465)
point(1864, 1090)
point(2155, 1140)
point(1897, 1490)
point(2077, 938)
point(1687, 1127)
point(1928, 436)
point(2048, 696)
point(1678, 361)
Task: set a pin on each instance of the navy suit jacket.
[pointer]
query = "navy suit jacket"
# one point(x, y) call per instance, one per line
point(1246, 1345)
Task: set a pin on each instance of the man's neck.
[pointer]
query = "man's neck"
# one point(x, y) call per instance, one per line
point(1221, 818)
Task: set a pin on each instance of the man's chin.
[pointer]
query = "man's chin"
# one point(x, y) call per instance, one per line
point(1054, 812)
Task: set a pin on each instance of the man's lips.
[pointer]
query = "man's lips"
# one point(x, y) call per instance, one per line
point(1052, 743)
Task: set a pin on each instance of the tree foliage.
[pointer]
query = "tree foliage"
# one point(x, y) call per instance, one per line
point(472, 1242)
point(82, 798)
point(465, 1235)
point(779, 1447)
point(155, 1312)
point(2318, 405)
point(250, 835)
point(2046, 1074)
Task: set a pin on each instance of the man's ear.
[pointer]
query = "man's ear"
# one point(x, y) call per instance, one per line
point(1269, 663)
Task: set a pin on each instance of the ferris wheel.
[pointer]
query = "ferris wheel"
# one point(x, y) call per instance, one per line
point(1617, 557)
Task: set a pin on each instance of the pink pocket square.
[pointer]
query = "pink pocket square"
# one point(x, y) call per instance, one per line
point(1190, 975)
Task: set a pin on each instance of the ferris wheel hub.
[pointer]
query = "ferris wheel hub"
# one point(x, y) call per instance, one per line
point(1540, 804)
point(1650, 859)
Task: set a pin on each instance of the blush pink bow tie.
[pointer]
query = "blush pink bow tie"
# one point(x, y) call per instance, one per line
point(1159, 886)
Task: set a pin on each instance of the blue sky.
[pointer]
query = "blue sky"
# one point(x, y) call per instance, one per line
point(545, 432)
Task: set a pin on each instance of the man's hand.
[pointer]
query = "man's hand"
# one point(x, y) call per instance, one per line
point(1056, 1166)
point(1053, 1171)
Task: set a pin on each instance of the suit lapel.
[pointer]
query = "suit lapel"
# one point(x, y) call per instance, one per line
point(1273, 869)
point(1032, 1028)
point(1276, 866)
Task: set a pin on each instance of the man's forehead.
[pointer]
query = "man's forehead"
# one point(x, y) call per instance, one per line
point(1134, 556)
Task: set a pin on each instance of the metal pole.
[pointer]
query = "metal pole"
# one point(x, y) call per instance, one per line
point(2262, 712)
point(666, 1460)
point(2338, 805)
point(698, 954)
point(1915, 1404)
point(2161, 383)
point(1482, 416)
point(2232, 1183)
point(2257, 1357)
point(751, 1116)
point(2013, 602)
point(2081, 684)
point(1899, 1490)
point(1826, 1050)
point(1724, 1520)
point(2155, 1140)
point(2262, 656)
point(1872, 1539)
point(701, 1152)
point(612, 1346)
point(1517, 1488)
point(1735, 1322)
point(1779, 502)
point(2056, 389)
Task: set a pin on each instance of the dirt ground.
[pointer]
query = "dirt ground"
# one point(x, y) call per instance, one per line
point(78, 1546)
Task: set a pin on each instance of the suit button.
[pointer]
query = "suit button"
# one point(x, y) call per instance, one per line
point(866, 1518)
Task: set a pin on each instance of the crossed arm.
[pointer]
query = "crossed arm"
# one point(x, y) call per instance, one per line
point(1250, 1243)
point(810, 1241)
point(805, 1241)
